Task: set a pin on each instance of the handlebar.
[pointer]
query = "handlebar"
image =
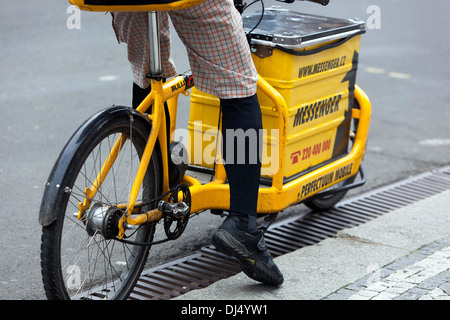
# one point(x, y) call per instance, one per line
point(322, 2)
point(240, 5)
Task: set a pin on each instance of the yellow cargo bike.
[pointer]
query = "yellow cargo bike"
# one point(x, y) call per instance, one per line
point(123, 171)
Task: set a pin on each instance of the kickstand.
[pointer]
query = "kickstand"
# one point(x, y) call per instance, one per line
point(268, 221)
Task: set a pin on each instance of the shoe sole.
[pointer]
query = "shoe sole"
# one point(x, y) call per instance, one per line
point(227, 244)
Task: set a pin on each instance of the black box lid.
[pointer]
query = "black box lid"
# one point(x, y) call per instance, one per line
point(294, 30)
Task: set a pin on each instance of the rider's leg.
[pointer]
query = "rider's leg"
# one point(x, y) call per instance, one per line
point(132, 29)
point(139, 94)
point(221, 64)
point(238, 235)
point(241, 125)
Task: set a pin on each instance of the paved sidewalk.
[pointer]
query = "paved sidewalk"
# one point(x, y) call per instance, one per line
point(402, 255)
point(422, 275)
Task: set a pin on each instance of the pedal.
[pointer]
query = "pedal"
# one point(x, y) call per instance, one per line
point(177, 210)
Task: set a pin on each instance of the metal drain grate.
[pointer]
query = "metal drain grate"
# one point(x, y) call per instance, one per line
point(208, 265)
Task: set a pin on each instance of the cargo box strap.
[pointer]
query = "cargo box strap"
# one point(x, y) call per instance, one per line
point(317, 50)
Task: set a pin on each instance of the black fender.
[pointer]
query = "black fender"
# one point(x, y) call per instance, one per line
point(55, 193)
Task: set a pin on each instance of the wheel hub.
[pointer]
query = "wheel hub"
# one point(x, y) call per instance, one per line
point(103, 220)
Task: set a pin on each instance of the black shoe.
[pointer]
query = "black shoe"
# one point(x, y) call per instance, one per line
point(250, 249)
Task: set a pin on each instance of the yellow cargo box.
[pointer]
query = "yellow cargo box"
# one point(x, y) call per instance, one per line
point(312, 62)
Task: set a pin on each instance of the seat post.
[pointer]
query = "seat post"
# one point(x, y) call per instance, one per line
point(156, 70)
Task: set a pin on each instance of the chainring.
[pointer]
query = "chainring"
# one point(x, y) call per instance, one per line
point(175, 226)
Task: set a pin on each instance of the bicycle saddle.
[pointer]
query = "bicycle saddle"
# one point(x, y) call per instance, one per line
point(133, 5)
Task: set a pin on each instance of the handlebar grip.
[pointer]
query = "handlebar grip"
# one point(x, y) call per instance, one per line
point(322, 2)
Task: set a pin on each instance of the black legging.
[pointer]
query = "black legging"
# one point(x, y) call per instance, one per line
point(243, 166)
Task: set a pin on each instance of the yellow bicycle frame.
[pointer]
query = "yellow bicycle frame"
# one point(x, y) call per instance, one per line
point(169, 5)
point(216, 194)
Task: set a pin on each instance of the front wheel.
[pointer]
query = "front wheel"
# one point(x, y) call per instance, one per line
point(80, 258)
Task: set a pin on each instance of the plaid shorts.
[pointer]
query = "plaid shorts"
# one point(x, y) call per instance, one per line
point(213, 35)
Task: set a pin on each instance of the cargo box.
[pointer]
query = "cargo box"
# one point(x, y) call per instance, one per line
point(312, 62)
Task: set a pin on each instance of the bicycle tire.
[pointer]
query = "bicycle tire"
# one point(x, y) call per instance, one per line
point(68, 251)
point(329, 201)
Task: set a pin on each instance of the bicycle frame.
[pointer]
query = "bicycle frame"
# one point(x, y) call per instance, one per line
point(215, 194)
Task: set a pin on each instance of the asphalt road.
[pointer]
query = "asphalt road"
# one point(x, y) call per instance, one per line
point(52, 77)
